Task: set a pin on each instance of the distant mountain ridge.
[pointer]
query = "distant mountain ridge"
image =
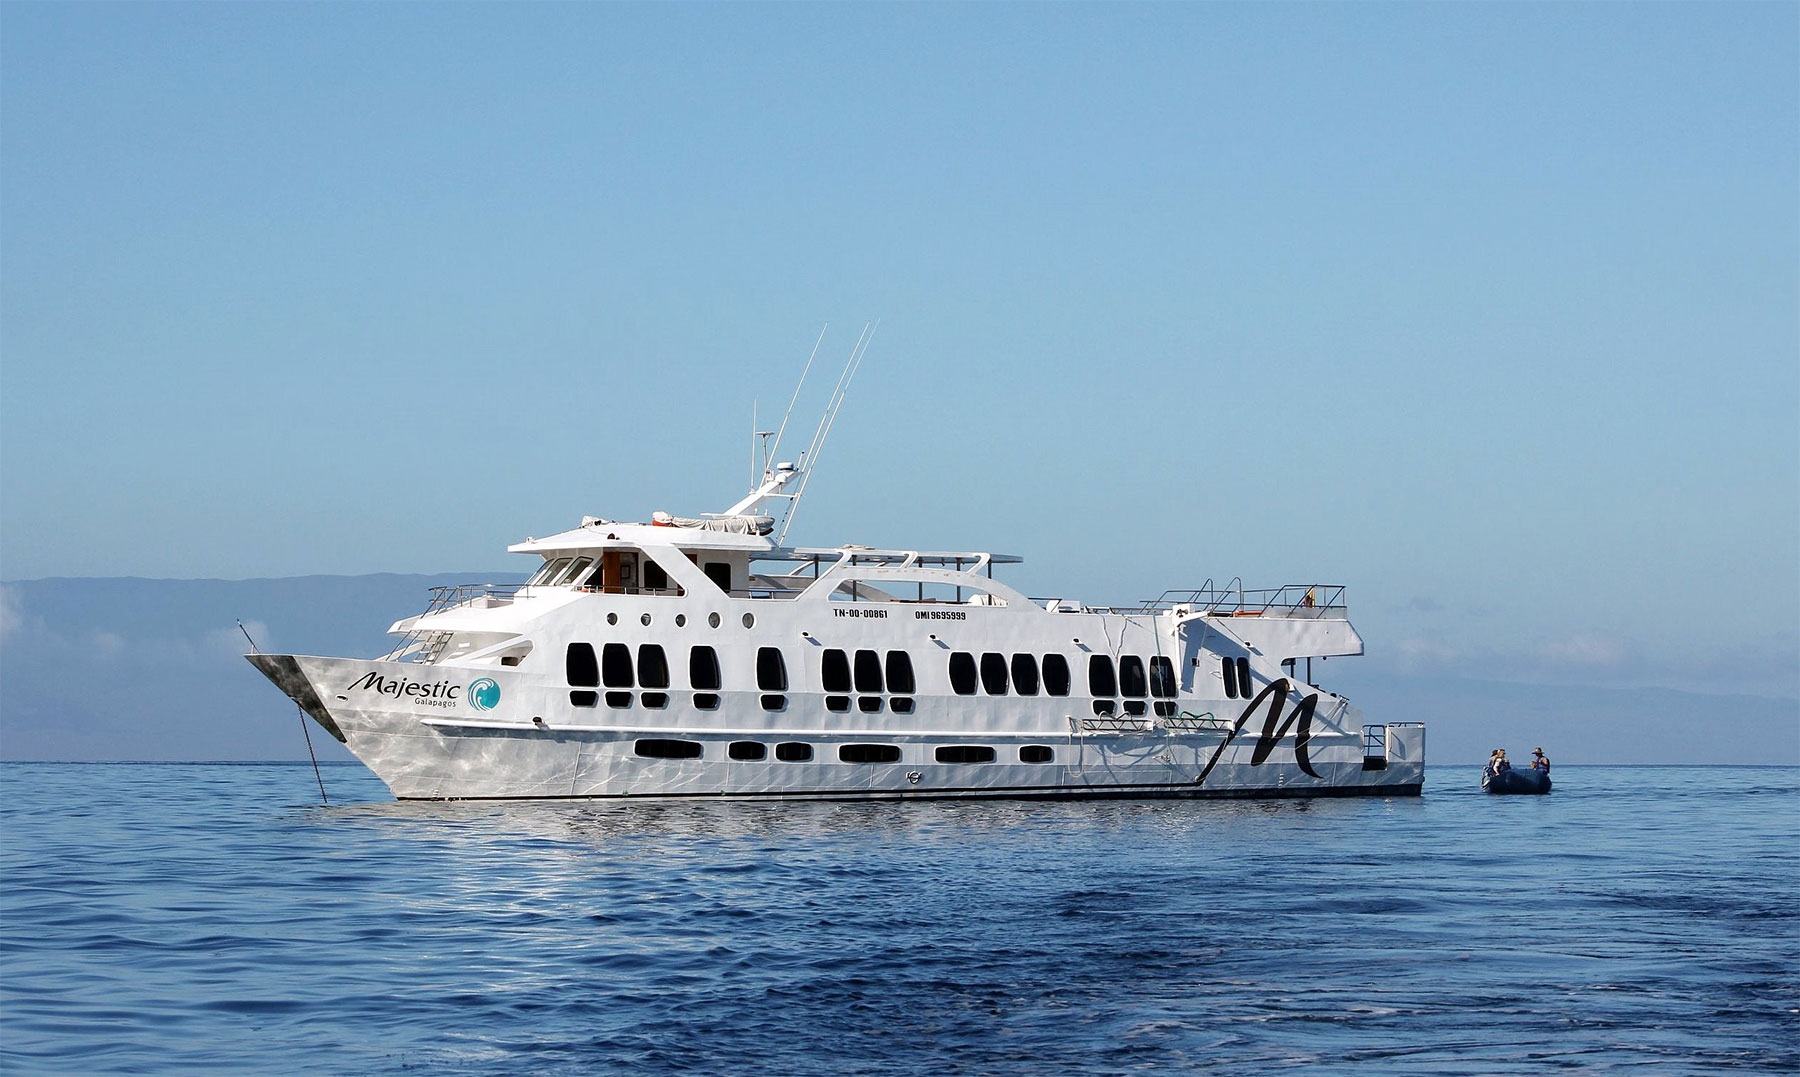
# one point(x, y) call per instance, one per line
point(127, 668)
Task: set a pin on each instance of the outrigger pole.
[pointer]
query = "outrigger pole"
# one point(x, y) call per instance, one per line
point(810, 457)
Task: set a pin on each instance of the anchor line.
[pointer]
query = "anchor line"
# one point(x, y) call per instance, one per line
point(305, 732)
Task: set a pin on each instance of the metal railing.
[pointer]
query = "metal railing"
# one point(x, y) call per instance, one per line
point(1288, 600)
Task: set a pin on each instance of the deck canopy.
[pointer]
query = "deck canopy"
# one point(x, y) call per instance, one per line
point(604, 535)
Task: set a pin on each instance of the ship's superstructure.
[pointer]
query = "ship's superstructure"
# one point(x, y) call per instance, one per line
point(701, 656)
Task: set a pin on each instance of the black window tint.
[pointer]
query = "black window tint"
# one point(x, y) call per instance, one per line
point(869, 753)
point(965, 753)
point(618, 699)
point(703, 669)
point(669, 749)
point(899, 673)
point(720, 573)
point(771, 670)
point(993, 673)
point(1131, 677)
point(793, 751)
point(581, 698)
point(1056, 675)
point(962, 673)
point(901, 705)
point(868, 671)
point(1229, 673)
point(584, 671)
point(1243, 668)
point(1035, 753)
point(837, 704)
point(653, 666)
point(655, 579)
point(1025, 674)
point(706, 701)
point(1100, 676)
point(1162, 677)
point(615, 665)
point(747, 749)
point(834, 670)
point(774, 703)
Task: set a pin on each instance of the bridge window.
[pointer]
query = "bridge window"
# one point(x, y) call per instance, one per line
point(962, 673)
point(550, 571)
point(1025, 674)
point(1056, 675)
point(993, 673)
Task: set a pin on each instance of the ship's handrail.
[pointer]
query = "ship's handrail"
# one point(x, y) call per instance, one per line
point(1288, 600)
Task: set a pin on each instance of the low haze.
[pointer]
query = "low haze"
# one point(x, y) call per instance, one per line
point(1489, 312)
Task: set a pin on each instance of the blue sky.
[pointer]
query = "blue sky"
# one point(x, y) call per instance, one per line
point(1490, 312)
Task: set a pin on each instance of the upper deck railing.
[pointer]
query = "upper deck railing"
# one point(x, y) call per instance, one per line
point(1288, 600)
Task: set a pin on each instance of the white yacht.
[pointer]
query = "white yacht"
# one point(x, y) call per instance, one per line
point(704, 657)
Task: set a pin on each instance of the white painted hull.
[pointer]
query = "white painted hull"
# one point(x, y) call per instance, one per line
point(426, 738)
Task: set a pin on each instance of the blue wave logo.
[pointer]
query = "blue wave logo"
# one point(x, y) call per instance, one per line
point(484, 694)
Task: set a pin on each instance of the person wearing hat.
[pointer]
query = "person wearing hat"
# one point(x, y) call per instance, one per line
point(1540, 761)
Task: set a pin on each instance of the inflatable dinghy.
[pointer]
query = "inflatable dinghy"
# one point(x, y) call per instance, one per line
point(1517, 781)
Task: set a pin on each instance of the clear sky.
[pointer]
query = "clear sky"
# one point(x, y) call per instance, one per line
point(1490, 312)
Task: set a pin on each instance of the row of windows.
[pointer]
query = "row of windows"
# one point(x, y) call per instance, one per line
point(801, 752)
point(873, 677)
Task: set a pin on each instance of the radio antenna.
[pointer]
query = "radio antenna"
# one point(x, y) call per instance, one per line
point(796, 397)
point(811, 458)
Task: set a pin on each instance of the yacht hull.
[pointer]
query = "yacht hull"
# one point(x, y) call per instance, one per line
point(435, 732)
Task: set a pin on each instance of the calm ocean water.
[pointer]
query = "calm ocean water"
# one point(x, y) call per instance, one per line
point(192, 918)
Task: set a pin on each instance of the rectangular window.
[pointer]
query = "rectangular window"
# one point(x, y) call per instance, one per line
point(793, 751)
point(962, 673)
point(747, 750)
point(868, 671)
point(1056, 675)
point(615, 666)
point(837, 704)
point(703, 669)
point(669, 749)
point(1025, 674)
point(869, 753)
point(834, 671)
point(719, 572)
point(655, 579)
point(993, 673)
point(964, 753)
point(771, 670)
point(581, 698)
point(653, 666)
point(900, 673)
point(1035, 753)
point(1162, 677)
point(1100, 676)
point(1131, 677)
point(583, 670)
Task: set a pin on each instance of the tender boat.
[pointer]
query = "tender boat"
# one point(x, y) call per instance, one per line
point(1516, 781)
point(705, 657)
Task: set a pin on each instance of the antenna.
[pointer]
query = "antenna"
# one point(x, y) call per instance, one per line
point(790, 408)
point(811, 457)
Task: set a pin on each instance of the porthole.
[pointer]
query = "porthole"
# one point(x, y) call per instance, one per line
point(749, 620)
point(681, 620)
point(612, 618)
point(644, 620)
point(712, 619)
